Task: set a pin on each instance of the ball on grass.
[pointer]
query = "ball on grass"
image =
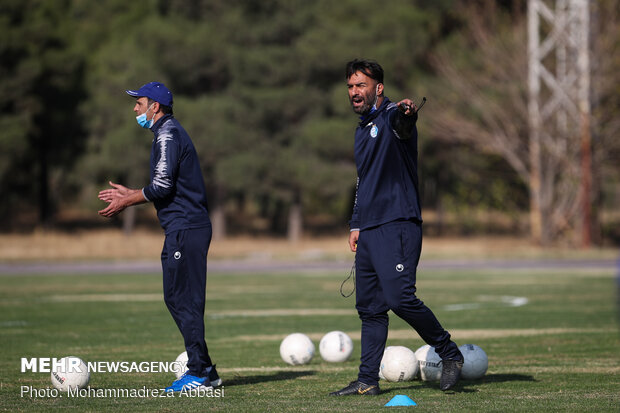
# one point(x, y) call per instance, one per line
point(297, 348)
point(398, 364)
point(71, 372)
point(180, 364)
point(476, 362)
point(336, 347)
point(430, 363)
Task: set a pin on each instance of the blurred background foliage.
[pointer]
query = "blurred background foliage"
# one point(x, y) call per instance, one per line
point(259, 86)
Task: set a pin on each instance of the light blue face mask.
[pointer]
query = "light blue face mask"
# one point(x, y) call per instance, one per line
point(142, 121)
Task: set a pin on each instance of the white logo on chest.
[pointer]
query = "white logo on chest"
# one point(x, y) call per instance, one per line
point(374, 131)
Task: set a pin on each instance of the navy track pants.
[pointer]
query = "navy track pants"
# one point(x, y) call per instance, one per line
point(184, 263)
point(386, 261)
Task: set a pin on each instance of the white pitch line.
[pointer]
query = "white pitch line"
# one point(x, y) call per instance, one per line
point(489, 300)
point(13, 323)
point(511, 369)
point(274, 312)
point(267, 312)
point(515, 301)
point(410, 334)
point(286, 368)
point(80, 298)
point(271, 312)
point(461, 307)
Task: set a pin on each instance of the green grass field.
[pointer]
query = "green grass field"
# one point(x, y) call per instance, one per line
point(558, 352)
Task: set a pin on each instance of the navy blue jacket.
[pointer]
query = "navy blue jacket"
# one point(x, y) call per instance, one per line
point(177, 189)
point(386, 156)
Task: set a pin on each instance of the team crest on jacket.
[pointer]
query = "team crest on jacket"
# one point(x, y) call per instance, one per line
point(374, 131)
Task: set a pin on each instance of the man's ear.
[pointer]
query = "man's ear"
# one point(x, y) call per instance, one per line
point(379, 89)
point(156, 108)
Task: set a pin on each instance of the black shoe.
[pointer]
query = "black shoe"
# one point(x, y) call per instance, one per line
point(357, 387)
point(450, 374)
point(214, 378)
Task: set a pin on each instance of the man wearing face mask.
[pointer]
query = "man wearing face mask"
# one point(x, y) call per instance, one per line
point(178, 193)
point(386, 232)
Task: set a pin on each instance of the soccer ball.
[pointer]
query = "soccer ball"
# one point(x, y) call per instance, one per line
point(336, 346)
point(430, 363)
point(297, 348)
point(398, 364)
point(476, 361)
point(73, 373)
point(180, 365)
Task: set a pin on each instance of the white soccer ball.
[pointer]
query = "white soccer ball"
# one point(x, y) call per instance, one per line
point(72, 373)
point(430, 363)
point(297, 348)
point(398, 364)
point(476, 362)
point(336, 347)
point(180, 365)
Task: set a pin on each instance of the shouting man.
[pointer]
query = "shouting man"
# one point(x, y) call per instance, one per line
point(386, 228)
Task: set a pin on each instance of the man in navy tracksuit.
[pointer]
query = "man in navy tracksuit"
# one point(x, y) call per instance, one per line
point(386, 231)
point(178, 192)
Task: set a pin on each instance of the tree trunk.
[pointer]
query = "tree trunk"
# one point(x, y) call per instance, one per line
point(129, 220)
point(218, 223)
point(216, 196)
point(45, 213)
point(295, 220)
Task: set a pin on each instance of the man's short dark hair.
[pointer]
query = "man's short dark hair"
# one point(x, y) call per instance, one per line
point(167, 110)
point(370, 68)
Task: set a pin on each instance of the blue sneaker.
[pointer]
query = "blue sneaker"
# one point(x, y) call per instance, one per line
point(214, 378)
point(187, 381)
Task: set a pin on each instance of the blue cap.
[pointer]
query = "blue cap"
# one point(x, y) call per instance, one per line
point(153, 90)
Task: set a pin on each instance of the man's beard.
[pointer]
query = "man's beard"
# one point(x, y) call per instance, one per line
point(368, 102)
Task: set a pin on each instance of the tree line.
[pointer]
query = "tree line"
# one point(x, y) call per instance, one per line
point(260, 88)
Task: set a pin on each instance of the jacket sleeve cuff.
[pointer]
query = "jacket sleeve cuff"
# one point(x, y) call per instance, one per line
point(354, 225)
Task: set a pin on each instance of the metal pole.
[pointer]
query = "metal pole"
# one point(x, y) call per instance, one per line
point(583, 63)
point(534, 122)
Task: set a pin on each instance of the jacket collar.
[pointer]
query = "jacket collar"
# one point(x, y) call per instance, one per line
point(157, 125)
